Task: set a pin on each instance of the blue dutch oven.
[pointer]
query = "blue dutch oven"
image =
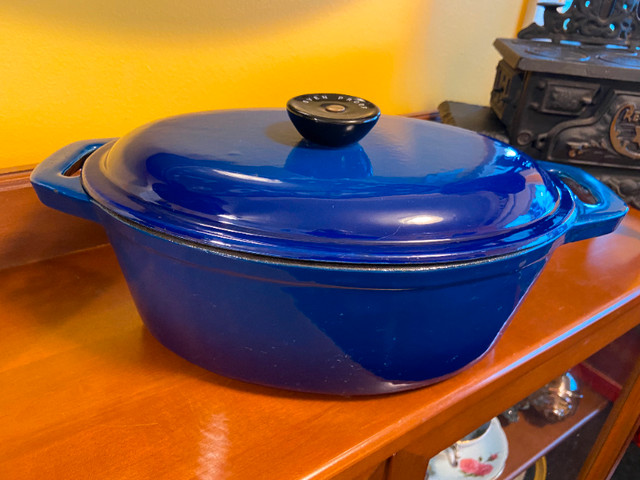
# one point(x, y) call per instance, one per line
point(320, 264)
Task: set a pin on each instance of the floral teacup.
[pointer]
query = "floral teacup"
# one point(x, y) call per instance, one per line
point(481, 454)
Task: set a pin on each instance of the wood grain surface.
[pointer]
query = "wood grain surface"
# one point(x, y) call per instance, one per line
point(87, 392)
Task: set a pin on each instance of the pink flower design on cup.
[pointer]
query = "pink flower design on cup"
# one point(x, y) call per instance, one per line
point(474, 467)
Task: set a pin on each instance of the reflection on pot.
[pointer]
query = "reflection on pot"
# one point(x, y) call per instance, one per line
point(315, 161)
point(397, 325)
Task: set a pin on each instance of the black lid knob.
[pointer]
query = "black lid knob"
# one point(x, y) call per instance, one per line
point(332, 119)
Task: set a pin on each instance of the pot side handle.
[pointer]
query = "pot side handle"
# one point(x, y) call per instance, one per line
point(56, 184)
point(599, 209)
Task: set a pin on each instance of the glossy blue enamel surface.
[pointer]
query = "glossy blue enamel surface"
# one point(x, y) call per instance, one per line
point(410, 192)
point(345, 331)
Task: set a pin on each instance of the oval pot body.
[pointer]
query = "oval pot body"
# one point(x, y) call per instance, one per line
point(320, 328)
point(362, 269)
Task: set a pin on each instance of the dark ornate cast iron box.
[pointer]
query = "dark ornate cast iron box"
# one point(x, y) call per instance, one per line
point(569, 90)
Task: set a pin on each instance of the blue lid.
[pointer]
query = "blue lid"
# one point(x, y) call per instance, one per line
point(411, 191)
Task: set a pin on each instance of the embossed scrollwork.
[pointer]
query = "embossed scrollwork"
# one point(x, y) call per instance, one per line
point(590, 21)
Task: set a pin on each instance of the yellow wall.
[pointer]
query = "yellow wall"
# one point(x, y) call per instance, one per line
point(77, 69)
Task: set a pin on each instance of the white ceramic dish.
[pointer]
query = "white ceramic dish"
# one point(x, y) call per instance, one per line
point(484, 457)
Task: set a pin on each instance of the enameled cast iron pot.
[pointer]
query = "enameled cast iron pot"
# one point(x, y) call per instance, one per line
point(365, 268)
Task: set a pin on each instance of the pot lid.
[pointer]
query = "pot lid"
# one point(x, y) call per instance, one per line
point(411, 191)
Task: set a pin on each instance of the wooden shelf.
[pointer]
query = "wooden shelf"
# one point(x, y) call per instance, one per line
point(529, 439)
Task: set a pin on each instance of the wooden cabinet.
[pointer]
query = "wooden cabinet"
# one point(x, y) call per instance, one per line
point(87, 392)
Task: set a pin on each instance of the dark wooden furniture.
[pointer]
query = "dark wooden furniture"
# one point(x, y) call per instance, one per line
point(87, 392)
